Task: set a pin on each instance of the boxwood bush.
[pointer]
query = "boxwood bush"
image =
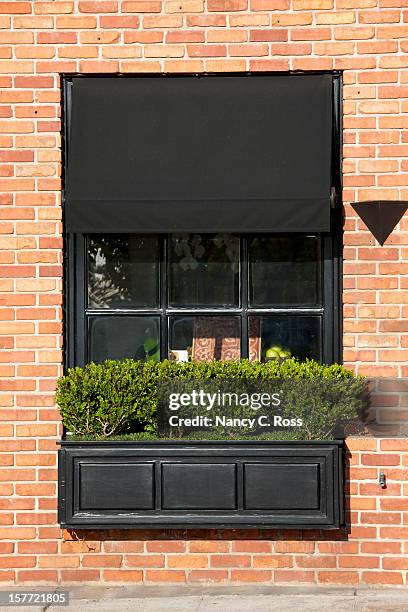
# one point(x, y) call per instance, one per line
point(118, 399)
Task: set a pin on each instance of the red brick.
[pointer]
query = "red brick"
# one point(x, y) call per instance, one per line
point(359, 561)
point(270, 5)
point(35, 548)
point(76, 22)
point(128, 21)
point(247, 50)
point(394, 503)
point(382, 577)
point(251, 546)
point(207, 576)
point(39, 518)
point(227, 5)
point(206, 50)
point(165, 576)
point(398, 444)
point(204, 21)
point(294, 576)
point(269, 64)
point(6, 548)
point(337, 577)
point(79, 575)
point(381, 460)
point(395, 563)
point(104, 561)
point(145, 561)
point(15, 8)
point(166, 546)
point(230, 560)
point(97, 7)
point(275, 35)
point(250, 575)
point(381, 548)
point(55, 38)
point(141, 6)
point(122, 575)
point(37, 575)
point(272, 561)
point(338, 547)
point(17, 533)
point(79, 546)
point(58, 561)
point(45, 8)
point(185, 36)
point(121, 547)
point(215, 546)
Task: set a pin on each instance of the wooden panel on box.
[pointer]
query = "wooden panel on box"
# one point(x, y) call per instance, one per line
point(281, 486)
point(199, 486)
point(116, 486)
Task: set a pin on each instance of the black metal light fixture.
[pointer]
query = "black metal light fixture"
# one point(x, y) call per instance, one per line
point(381, 216)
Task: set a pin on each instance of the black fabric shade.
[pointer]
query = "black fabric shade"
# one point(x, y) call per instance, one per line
point(199, 154)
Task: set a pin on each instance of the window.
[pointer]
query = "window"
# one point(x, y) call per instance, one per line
point(219, 238)
point(201, 296)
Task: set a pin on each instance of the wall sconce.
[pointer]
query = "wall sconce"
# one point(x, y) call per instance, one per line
point(381, 216)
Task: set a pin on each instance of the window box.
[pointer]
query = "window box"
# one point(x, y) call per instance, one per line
point(201, 484)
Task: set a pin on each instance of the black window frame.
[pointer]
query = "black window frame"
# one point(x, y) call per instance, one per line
point(75, 274)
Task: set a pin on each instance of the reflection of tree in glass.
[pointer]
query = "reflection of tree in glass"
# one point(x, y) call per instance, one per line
point(192, 250)
point(123, 271)
point(284, 270)
point(204, 269)
point(107, 278)
point(188, 250)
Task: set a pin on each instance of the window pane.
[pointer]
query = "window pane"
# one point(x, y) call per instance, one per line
point(123, 271)
point(120, 337)
point(203, 270)
point(284, 336)
point(204, 338)
point(284, 271)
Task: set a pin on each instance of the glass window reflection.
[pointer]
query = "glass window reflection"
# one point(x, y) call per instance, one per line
point(203, 270)
point(123, 271)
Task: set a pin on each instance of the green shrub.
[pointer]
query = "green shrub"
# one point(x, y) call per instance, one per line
point(117, 398)
point(102, 400)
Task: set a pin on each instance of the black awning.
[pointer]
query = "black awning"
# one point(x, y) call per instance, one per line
point(210, 153)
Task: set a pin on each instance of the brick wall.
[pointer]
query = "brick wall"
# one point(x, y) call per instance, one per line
point(368, 40)
point(371, 550)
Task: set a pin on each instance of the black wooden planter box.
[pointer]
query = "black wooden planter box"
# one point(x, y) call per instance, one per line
point(201, 484)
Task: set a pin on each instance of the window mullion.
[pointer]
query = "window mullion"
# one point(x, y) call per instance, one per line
point(327, 301)
point(243, 279)
point(81, 331)
point(164, 349)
